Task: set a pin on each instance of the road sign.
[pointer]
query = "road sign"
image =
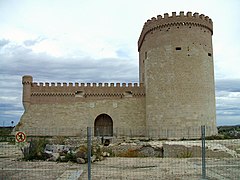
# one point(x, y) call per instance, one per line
point(20, 137)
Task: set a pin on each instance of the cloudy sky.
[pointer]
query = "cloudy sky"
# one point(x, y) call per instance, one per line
point(96, 41)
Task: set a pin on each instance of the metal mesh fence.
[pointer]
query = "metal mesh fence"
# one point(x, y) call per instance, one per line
point(53, 154)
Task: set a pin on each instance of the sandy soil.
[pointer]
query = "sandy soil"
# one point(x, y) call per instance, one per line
point(164, 168)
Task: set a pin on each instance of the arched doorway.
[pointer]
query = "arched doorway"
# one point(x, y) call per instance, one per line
point(103, 125)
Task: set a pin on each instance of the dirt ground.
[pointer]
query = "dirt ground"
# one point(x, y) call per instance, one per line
point(116, 168)
point(164, 168)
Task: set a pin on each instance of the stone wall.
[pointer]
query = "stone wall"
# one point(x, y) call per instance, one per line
point(72, 119)
point(176, 67)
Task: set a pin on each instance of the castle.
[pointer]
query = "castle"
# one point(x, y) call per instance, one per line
point(175, 95)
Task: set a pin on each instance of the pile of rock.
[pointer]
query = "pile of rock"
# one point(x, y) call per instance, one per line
point(175, 149)
point(64, 153)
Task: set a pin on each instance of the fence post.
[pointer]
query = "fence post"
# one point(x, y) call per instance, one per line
point(89, 133)
point(203, 153)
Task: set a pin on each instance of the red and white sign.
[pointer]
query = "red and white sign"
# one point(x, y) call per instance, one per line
point(20, 136)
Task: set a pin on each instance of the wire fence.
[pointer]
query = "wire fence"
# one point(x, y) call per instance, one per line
point(92, 154)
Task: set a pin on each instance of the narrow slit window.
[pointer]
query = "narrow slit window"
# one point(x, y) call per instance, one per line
point(178, 48)
point(145, 55)
point(210, 54)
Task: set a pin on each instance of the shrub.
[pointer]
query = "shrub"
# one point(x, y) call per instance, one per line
point(70, 157)
point(35, 150)
point(110, 151)
point(185, 154)
point(82, 152)
point(215, 137)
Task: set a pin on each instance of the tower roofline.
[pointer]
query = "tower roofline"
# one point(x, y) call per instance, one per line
point(175, 20)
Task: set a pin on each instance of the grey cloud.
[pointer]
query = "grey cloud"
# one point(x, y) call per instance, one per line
point(32, 42)
point(229, 85)
point(19, 60)
point(228, 120)
point(9, 112)
point(24, 61)
point(123, 53)
point(3, 42)
point(228, 101)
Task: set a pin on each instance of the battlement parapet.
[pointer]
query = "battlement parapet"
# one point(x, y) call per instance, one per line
point(175, 20)
point(92, 85)
point(87, 90)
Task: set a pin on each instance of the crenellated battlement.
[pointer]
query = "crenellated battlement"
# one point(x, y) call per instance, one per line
point(181, 19)
point(76, 84)
point(57, 92)
point(87, 89)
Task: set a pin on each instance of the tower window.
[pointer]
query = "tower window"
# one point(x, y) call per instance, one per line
point(178, 48)
point(146, 55)
point(210, 54)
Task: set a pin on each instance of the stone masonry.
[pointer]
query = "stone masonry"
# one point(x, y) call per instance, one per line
point(175, 95)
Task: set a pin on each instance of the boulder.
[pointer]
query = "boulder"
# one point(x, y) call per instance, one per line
point(81, 161)
point(101, 158)
point(106, 154)
point(148, 151)
point(56, 148)
point(54, 157)
point(93, 158)
point(62, 158)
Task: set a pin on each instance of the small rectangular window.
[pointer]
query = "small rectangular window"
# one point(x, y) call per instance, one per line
point(128, 94)
point(79, 94)
point(145, 55)
point(178, 48)
point(210, 54)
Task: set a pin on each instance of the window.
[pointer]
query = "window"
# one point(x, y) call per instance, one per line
point(79, 94)
point(210, 54)
point(128, 94)
point(146, 55)
point(178, 48)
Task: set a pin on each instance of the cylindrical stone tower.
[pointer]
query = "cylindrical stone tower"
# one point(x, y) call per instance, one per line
point(26, 97)
point(176, 67)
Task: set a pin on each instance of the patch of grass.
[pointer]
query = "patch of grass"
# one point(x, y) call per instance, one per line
point(5, 135)
point(215, 137)
point(185, 154)
point(4, 131)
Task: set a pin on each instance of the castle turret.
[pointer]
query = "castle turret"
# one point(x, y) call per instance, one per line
point(176, 67)
point(27, 83)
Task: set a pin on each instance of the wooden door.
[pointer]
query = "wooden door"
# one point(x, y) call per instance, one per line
point(103, 125)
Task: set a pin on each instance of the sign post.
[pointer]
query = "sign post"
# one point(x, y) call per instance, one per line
point(20, 137)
